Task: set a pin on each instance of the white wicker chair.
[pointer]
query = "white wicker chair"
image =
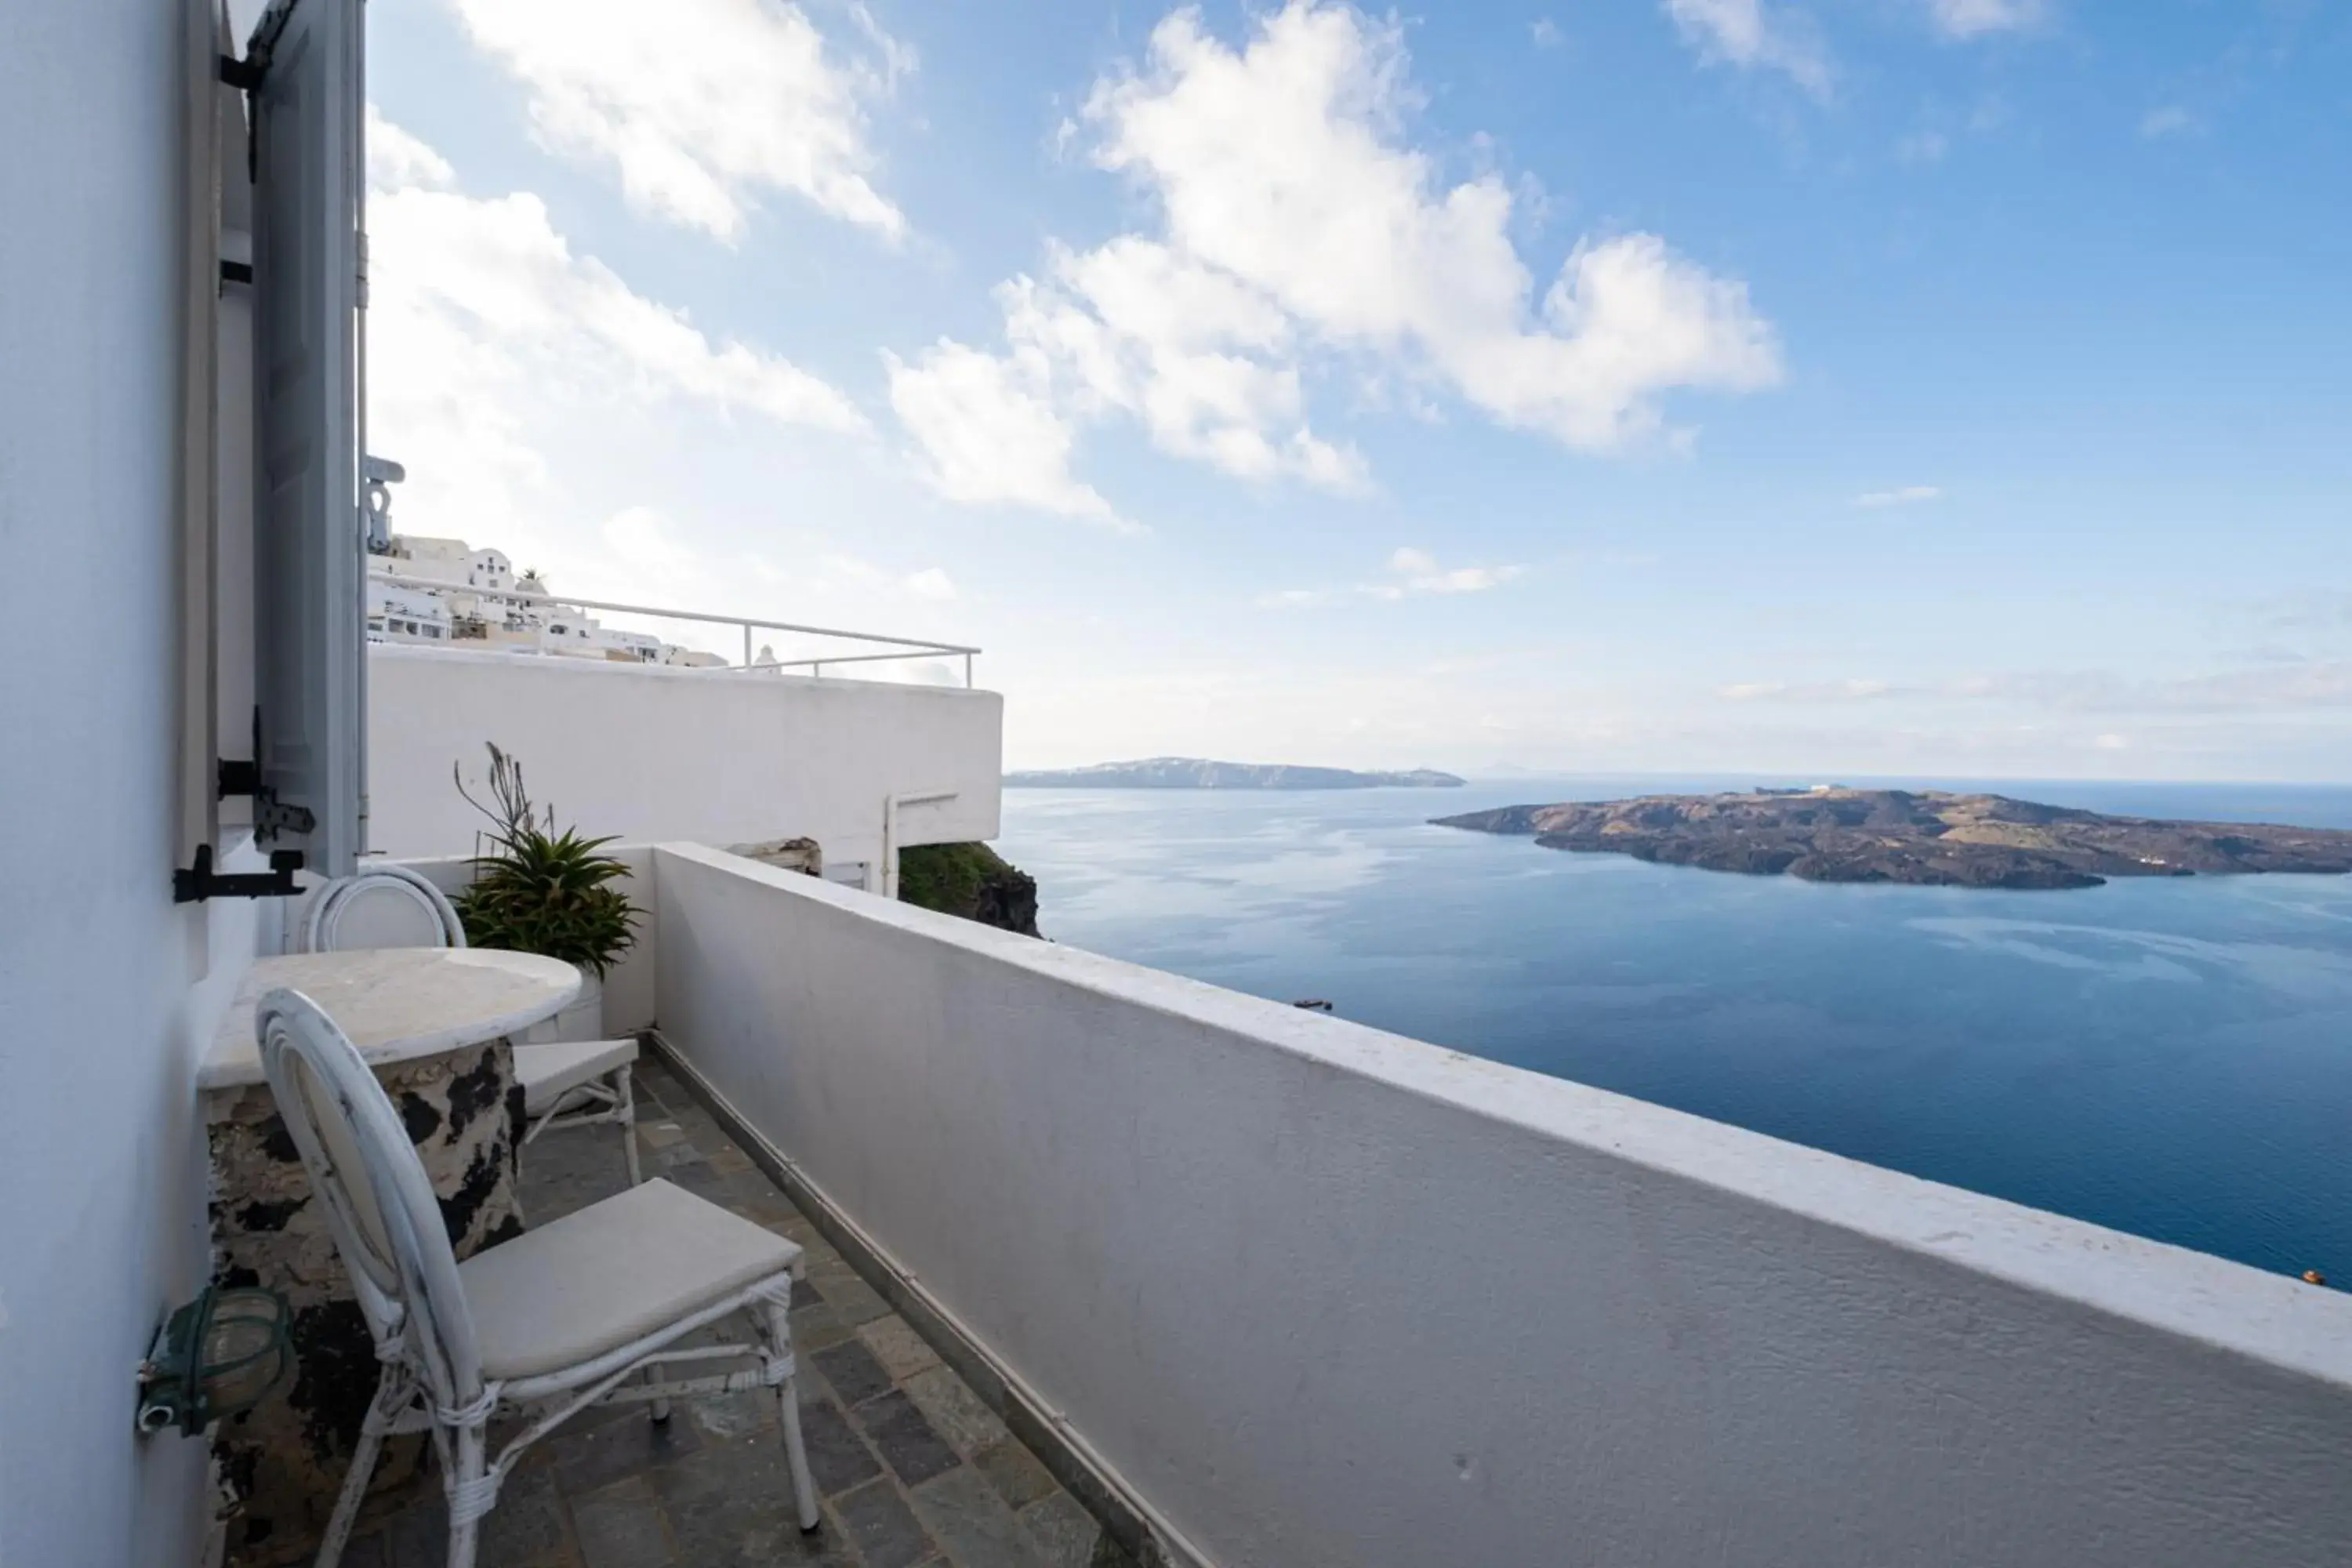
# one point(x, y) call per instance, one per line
point(565, 1083)
point(400, 903)
point(538, 1328)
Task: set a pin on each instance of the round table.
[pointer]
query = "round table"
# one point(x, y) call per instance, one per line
point(395, 1003)
point(433, 1023)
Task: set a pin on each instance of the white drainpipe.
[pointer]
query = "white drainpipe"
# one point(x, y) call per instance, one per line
point(890, 804)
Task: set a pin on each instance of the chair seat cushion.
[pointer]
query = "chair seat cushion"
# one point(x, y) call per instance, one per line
point(549, 1072)
point(618, 1270)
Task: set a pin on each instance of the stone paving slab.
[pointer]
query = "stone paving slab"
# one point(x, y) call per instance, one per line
point(912, 1469)
point(897, 1347)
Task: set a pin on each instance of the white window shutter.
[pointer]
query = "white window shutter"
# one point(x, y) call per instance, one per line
point(309, 686)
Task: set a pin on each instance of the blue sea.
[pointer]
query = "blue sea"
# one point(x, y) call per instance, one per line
point(2171, 1056)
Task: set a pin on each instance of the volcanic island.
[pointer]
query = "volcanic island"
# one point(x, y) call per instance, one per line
point(1928, 837)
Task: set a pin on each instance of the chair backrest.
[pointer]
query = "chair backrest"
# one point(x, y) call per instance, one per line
point(379, 1203)
point(383, 906)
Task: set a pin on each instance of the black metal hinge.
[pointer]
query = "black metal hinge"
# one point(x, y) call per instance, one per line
point(246, 76)
point(196, 883)
point(270, 818)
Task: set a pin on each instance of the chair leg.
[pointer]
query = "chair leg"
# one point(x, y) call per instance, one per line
point(796, 1456)
point(380, 1409)
point(788, 1413)
point(625, 1112)
point(654, 1374)
point(470, 1466)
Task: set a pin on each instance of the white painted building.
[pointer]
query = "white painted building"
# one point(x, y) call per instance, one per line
point(1296, 1292)
point(442, 593)
point(397, 613)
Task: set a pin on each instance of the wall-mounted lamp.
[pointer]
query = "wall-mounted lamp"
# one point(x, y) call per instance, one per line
point(379, 474)
point(219, 1355)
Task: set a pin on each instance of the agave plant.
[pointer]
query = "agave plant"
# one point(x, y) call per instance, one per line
point(540, 890)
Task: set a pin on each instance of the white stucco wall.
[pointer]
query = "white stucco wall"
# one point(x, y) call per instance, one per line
point(648, 753)
point(104, 995)
point(1324, 1296)
point(629, 983)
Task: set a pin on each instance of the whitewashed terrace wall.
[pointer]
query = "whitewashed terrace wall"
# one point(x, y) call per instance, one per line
point(1325, 1296)
point(107, 990)
point(647, 752)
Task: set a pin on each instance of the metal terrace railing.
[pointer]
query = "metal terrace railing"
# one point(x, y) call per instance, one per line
point(899, 647)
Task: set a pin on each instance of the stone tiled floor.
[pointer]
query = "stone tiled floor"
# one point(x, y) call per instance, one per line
point(912, 1467)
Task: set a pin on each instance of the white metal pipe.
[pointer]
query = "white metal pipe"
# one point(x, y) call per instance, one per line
point(857, 657)
point(890, 804)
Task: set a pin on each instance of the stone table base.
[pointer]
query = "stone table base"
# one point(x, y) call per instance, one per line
point(283, 1463)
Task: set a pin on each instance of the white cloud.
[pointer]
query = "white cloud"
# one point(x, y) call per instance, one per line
point(396, 160)
point(1294, 225)
point(1546, 34)
point(897, 56)
point(697, 106)
point(1743, 33)
point(836, 573)
point(1412, 571)
point(988, 431)
point(1417, 572)
point(460, 280)
point(2170, 120)
point(1137, 327)
point(931, 584)
point(2311, 684)
point(1814, 691)
point(2314, 683)
point(643, 545)
point(1974, 18)
point(498, 359)
point(1282, 164)
point(1909, 495)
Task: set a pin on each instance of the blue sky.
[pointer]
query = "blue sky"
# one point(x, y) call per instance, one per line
point(1924, 386)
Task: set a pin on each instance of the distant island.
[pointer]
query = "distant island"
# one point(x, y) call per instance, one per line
point(1195, 772)
point(1931, 837)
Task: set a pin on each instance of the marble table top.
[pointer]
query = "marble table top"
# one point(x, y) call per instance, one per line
point(396, 1002)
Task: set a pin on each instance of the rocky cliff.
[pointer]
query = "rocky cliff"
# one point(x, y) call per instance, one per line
point(970, 880)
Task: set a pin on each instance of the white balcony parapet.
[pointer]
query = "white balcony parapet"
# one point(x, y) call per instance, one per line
point(651, 751)
point(1311, 1294)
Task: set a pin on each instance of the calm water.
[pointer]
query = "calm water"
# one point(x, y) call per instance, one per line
point(2167, 1057)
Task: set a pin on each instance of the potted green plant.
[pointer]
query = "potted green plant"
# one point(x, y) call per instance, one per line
point(539, 890)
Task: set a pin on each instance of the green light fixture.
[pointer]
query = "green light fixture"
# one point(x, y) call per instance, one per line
point(219, 1355)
